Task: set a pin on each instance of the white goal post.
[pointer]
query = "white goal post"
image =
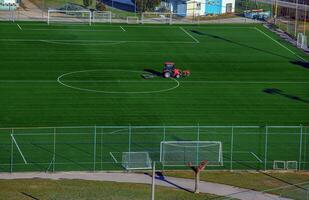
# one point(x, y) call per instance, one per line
point(132, 20)
point(181, 153)
point(69, 16)
point(136, 160)
point(302, 41)
point(156, 18)
point(102, 17)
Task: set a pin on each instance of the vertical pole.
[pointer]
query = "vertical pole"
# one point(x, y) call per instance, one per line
point(12, 151)
point(54, 156)
point(232, 144)
point(101, 142)
point(197, 146)
point(265, 150)
point(300, 146)
point(296, 18)
point(305, 18)
point(94, 147)
point(153, 180)
point(164, 133)
point(48, 17)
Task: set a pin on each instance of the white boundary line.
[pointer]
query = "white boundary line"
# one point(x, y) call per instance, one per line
point(265, 34)
point(19, 27)
point(124, 30)
point(189, 34)
point(182, 82)
point(98, 41)
point(113, 157)
point(256, 157)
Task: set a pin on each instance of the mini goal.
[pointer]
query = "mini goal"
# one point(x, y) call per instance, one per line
point(136, 160)
point(181, 153)
point(102, 17)
point(69, 16)
point(285, 165)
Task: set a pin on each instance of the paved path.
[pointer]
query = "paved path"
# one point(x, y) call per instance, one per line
point(180, 183)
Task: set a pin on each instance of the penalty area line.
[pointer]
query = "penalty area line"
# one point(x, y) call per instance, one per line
point(19, 27)
point(115, 160)
point(265, 34)
point(191, 36)
point(124, 30)
point(256, 157)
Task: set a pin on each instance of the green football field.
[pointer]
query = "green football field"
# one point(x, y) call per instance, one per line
point(77, 75)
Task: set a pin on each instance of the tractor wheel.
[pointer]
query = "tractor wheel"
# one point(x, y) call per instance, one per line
point(177, 76)
point(167, 74)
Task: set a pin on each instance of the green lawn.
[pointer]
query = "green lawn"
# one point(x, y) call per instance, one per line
point(78, 75)
point(80, 189)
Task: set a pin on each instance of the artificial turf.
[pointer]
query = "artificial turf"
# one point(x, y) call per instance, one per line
point(78, 75)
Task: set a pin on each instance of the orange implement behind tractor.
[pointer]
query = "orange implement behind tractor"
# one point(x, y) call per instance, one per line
point(170, 71)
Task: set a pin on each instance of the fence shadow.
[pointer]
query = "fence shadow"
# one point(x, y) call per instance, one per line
point(279, 92)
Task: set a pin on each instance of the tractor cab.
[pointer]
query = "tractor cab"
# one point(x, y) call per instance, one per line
point(168, 69)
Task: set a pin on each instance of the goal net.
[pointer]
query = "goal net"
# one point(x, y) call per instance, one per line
point(302, 41)
point(132, 20)
point(67, 16)
point(136, 160)
point(102, 17)
point(156, 18)
point(180, 153)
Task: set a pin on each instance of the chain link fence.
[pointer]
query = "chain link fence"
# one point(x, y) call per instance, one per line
point(101, 147)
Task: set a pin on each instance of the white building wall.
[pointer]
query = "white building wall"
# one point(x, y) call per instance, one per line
point(224, 2)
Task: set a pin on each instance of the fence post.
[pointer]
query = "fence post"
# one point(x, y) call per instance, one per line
point(265, 151)
point(54, 156)
point(101, 144)
point(164, 132)
point(94, 147)
point(12, 149)
point(300, 147)
point(232, 144)
point(197, 146)
point(130, 138)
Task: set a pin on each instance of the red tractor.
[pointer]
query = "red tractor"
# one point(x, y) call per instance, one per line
point(170, 70)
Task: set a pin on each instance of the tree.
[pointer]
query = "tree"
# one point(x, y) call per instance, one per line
point(87, 3)
point(146, 5)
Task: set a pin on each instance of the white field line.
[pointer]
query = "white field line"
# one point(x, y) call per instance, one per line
point(113, 157)
point(256, 157)
point(98, 41)
point(20, 152)
point(77, 30)
point(265, 34)
point(19, 27)
point(189, 35)
point(124, 30)
point(149, 81)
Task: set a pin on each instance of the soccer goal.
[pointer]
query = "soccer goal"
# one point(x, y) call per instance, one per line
point(102, 17)
point(181, 153)
point(132, 20)
point(68, 16)
point(279, 164)
point(291, 165)
point(136, 160)
point(302, 41)
point(156, 18)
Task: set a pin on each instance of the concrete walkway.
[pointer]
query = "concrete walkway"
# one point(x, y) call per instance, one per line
point(179, 183)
